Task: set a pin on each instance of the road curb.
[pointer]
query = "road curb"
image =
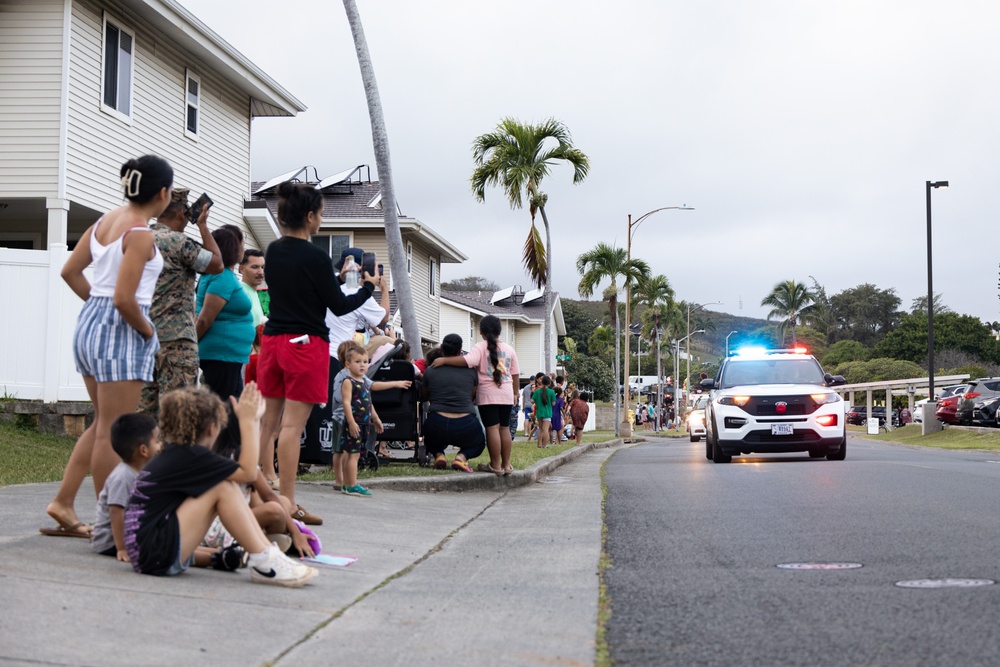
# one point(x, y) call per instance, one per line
point(481, 481)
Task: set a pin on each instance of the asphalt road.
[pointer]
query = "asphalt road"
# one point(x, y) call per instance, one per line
point(695, 549)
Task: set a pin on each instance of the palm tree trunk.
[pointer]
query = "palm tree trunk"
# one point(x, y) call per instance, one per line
point(548, 292)
point(613, 303)
point(380, 140)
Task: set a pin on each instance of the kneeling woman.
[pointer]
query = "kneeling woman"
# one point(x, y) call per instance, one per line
point(451, 419)
point(181, 490)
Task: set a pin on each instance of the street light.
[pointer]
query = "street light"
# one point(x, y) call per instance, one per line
point(930, 295)
point(626, 426)
point(727, 342)
point(687, 347)
point(677, 370)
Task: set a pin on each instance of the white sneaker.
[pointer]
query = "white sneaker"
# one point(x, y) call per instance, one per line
point(277, 569)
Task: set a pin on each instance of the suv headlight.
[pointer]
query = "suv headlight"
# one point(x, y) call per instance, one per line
point(825, 397)
point(738, 401)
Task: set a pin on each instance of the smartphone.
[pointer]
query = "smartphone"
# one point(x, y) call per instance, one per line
point(381, 270)
point(201, 202)
point(368, 263)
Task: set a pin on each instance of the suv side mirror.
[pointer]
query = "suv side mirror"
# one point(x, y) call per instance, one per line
point(834, 380)
point(707, 383)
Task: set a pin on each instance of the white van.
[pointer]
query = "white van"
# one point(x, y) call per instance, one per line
point(636, 383)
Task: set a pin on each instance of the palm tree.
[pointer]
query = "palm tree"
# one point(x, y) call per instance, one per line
point(516, 157)
point(380, 139)
point(789, 301)
point(605, 262)
point(655, 293)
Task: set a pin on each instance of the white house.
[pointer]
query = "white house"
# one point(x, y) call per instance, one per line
point(352, 218)
point(87, 84)
point(522, 316)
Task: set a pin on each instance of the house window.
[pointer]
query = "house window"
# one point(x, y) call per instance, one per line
point(192, 103)
point(332, 244)
point(433, 271)
point(118, 60)
point(409, 258)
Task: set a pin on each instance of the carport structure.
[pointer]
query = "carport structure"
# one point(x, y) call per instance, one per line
point(910, 387)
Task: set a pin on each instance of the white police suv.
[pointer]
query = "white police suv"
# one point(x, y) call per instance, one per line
point(771, 401)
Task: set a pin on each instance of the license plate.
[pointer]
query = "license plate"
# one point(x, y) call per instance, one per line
point(781, 429)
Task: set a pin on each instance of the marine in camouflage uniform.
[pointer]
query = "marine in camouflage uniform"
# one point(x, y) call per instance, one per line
point(172, 310)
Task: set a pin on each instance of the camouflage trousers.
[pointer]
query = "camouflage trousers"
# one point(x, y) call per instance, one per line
point(176, 367)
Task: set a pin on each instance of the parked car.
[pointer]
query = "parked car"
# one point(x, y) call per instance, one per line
point(947, 409)
point(858, 415)
point(918, 410)
point(977, 390)
point(984, 413)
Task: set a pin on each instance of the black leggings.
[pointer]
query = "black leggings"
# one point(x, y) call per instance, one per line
point(224, 378)
point(466, 433)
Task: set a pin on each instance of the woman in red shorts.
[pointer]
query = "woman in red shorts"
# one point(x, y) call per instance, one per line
point(293, 369)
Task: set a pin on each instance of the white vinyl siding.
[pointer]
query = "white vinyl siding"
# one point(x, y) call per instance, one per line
point(458, 321)
point(98, 143)
point(529, 348)
point(30, 75)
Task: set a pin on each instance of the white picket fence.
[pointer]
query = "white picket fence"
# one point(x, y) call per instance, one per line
point(38, 312)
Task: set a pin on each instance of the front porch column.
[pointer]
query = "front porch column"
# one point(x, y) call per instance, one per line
point(58, 220)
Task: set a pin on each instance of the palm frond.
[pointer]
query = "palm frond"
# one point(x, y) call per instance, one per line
point(534, 258)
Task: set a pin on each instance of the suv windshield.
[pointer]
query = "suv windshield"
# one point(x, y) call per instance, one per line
point(772, 371)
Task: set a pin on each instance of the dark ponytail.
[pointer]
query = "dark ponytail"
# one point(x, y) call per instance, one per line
point(490, 329)
point(144, 177)
point(295, 202)
point(546, 381)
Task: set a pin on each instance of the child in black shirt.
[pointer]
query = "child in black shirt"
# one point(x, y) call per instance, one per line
point(180, 492)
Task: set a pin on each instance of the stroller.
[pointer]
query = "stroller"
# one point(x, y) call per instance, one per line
point(399, 410)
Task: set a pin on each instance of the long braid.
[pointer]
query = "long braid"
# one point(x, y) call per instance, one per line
point(490, 329)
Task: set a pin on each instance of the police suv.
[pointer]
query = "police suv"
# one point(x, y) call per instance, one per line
point(771, 401)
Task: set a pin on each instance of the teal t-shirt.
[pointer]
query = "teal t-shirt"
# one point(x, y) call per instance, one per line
point(231, 335)
point(543, 409)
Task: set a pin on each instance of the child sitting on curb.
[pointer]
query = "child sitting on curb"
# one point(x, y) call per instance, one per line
point(180, 492)
point(136, 439)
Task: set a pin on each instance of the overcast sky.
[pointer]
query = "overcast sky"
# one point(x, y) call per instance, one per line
point(801, 132)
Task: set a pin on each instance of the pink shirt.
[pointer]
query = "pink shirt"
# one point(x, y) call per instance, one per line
point(487, 392)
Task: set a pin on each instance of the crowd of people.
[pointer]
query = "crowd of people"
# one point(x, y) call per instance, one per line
point(185, 474)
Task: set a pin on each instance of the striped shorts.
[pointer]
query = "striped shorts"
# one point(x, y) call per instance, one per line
point(107, 349)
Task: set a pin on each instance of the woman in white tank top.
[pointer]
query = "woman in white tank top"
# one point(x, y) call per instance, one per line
point(115, 342)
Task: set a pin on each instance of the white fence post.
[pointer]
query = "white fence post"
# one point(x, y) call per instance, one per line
point(54, 313)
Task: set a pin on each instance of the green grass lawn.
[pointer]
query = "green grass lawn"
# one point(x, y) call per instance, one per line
point(949, 438)
point(525, 453)
point(27, 456)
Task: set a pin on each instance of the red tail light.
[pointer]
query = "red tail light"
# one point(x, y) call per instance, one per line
point(947, 401)
point(827, 420)
point(972, 394)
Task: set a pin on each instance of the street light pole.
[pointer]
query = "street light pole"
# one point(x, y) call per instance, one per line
point(677, 347)
point(727, 342)
point(930, 295)
point(687, 346)
point(626, 426)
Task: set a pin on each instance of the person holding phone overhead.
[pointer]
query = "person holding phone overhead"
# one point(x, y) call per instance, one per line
point(114, 344)
point(293, 370)
point(172, 310)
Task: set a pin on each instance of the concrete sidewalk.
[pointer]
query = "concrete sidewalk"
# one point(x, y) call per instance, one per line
point(501, 576)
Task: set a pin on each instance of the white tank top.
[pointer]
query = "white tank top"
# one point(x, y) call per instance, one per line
point(108, 260)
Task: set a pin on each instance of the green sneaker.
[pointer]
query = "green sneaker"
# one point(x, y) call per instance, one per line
point(356, 490)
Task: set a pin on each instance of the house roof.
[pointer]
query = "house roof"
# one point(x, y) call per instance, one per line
point(190, 34)
point(357, 205)
point(479, 303)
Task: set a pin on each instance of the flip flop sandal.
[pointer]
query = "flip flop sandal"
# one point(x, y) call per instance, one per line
point(461, 466)
point(440, 462)
point(76, 530)
point(485, 467)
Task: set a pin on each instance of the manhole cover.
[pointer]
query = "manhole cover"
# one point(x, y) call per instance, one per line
point(944, 583)
point(819, 566)
point(553, 480)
